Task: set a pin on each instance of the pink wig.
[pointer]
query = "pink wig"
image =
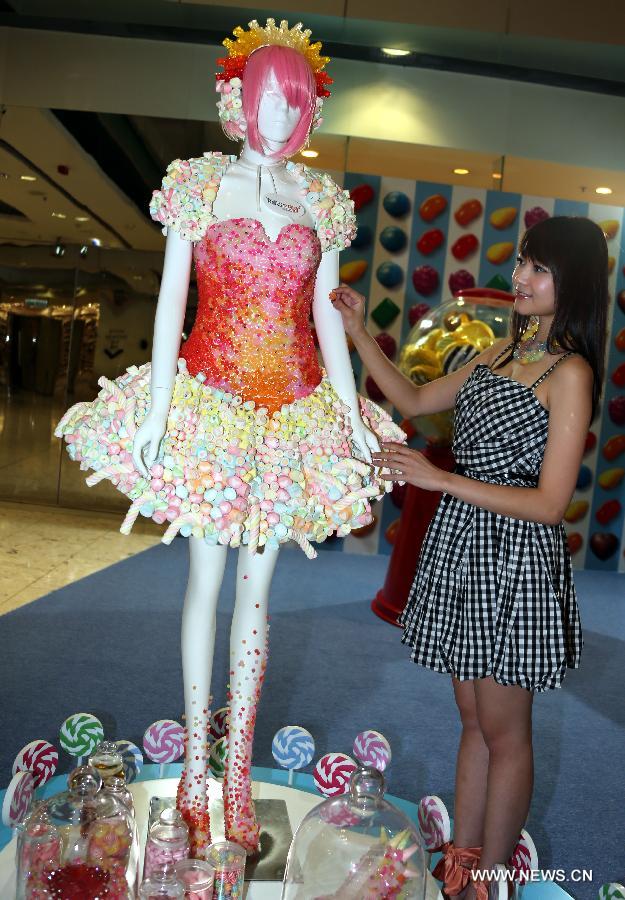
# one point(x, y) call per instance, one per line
point(296, 81)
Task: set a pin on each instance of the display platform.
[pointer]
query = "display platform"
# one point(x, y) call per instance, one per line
point(269, 784)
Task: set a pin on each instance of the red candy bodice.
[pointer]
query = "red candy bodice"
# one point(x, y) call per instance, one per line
point(252, 335)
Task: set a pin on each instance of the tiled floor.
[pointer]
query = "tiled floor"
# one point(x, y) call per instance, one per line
point(46, 547)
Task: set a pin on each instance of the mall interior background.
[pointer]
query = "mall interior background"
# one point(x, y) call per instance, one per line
point(516, 103)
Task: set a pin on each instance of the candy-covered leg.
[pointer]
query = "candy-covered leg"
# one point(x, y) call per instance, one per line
point(206, 571)
point(248, 657)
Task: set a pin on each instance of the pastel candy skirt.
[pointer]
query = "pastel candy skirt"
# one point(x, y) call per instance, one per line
point(228, 471)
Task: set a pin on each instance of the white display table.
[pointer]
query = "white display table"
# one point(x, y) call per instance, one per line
point(299, 801)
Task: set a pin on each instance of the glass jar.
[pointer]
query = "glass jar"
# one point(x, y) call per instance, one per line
point(197, 877)
point(167, 843)
point(228, 861)
point(107, 759)
point(38, 850)
point(162, 884)
point(356, 847)
point(119, 789)
point(78, 844)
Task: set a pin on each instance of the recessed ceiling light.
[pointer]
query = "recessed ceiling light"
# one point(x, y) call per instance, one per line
point(603, 190)
point(311, 153)
point(461, 171)
point(496, 175)
point(56, 215)
point(81, 218)
point(27, 178)
point(394, 51)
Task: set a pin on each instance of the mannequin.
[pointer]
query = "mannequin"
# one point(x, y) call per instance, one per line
point(250, 217)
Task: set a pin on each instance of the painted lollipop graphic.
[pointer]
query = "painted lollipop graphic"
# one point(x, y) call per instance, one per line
point(132, 760)
point(18, 798)
point(293, 748)
point(80, 734)
point(38, 757)
point(372, 749)
point(332, 773)
point(163, 742)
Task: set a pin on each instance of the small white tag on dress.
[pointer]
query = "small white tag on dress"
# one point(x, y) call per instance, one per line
point(285, 206)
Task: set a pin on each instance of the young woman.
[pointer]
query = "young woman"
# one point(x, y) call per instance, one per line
point(493, 602)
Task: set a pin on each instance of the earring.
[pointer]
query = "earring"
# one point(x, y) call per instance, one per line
point(532, 328)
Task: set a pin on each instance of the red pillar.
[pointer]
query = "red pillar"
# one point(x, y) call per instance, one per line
point(417, 512)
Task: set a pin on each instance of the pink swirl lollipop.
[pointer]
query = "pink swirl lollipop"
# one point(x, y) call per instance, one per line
point(38, 757)
point(18, 798)
point(372, 749)
point(163, 742)
point(434, 823)
point(332, 773)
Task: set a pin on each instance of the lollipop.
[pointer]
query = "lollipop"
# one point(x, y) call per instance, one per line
point(332, 773)
point(80, 734)
point(18, 798)
point(612, 891)
point(132, 759)
point(293, 748)
point(434, 823)
point(218, 726)
point(38, 757)
point(217, 757)
point(372, 749)
point(163, 742)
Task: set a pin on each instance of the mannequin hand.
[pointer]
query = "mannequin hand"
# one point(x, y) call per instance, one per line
point(364, 438)
point(147, 441)
point(351, 306)
point(403, 464)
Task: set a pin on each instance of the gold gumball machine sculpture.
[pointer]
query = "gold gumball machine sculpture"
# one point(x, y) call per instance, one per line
point(444, 340)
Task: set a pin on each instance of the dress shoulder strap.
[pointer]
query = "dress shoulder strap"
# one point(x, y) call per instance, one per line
point(550, 369)
point(503, 352)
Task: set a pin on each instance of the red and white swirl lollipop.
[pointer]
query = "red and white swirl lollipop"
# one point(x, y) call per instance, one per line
point(163, 742)
point(372, 749)
point(332, 773)
point(18, 798)
point(218, 724)
point(38, 757)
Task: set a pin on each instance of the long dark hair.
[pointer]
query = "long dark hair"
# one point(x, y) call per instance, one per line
point(575, 251)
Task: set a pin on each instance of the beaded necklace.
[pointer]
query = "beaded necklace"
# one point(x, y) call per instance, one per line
point(529, 350)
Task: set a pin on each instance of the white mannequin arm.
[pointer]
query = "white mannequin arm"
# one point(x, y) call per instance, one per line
point(172, 301)
point(333, 345)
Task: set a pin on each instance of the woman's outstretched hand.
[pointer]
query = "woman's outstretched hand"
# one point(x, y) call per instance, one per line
point(403, 464)
point(351, 306)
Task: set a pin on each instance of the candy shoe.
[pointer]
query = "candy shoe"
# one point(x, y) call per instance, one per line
point(194, 811)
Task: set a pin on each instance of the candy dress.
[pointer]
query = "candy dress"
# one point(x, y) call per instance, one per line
point(494, 595)
point(257, 449)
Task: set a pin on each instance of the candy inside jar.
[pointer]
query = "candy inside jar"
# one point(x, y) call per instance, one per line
point(198, 878)
point(167, 843)
point(228, 861)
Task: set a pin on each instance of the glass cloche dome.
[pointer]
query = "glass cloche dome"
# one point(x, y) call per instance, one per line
point(446, 338)
point(356, 847)
point(78, 844)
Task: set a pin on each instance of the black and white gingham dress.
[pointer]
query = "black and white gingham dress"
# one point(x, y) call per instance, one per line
point(493, 595)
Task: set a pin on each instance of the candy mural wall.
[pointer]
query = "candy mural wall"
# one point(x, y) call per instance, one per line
point(417, 242)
